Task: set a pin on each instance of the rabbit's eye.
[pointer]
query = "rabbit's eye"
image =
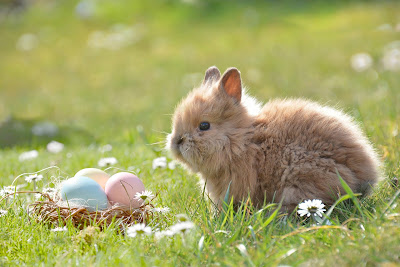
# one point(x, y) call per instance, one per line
point(204, 126)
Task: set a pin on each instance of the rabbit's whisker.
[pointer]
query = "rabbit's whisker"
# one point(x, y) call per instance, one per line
point(157, 143)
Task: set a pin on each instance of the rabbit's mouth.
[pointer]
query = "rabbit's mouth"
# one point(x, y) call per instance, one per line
point(181, 148)
point(174, 144)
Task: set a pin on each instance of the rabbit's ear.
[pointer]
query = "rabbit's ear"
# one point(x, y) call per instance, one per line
point(231, 83)
point(212, 75)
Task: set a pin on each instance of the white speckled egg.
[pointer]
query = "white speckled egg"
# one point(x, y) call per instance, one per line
point(122, 187)
point(85, 192)
point(98, 175)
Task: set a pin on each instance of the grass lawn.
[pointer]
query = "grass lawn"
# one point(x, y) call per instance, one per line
point(111, 72)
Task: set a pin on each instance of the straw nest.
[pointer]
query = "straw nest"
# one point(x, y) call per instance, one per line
point(53, 211)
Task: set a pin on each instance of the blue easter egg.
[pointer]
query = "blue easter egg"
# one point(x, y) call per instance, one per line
point(85, 192)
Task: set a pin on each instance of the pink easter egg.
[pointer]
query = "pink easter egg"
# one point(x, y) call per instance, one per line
point(122, 187)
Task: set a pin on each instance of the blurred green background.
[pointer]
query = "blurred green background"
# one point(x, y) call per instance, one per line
point(98, 69)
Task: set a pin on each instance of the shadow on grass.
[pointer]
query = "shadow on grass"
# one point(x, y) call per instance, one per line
point(38, 132)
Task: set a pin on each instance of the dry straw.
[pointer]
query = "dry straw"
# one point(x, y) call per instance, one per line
point(50, 211)
point(57, 212)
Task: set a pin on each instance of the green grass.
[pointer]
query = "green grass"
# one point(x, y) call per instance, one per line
point(101, 96)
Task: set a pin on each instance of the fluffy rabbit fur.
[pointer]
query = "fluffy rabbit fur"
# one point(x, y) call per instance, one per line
point(289, 151)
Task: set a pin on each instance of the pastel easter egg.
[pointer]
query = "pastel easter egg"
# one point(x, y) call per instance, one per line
point(85, 192)
point(98, 175)
point(122, 187)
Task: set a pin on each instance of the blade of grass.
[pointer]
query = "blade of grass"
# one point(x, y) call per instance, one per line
point(226, 198)
point(329, 212)
point(227, 210)
point(271, 217)
point(396, 195)
point(348, 190)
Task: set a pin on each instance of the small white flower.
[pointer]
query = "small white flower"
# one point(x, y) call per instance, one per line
point(172, 165)
point(138, 229)
point(105, 148)
point(33, 177)
point(55, 147)
point(27, 42)
point(144, 195)
point(85, 9)
point(160, 163)
point(28, 155)
point(311, 207)
point(391, 59)
point(182, 217)
point(161, 210)
point(45, 128)
point(3, 213)
point(118, 37)
point(161, 234)
point(6, 190)
point(59, 229)
point(361, 62)
point(182, 227)
point(51, 191)
point(104, 162)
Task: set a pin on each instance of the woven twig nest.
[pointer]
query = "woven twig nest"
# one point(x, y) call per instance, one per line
point(53, 211)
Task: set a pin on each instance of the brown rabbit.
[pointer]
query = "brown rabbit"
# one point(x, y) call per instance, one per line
point(288, 151)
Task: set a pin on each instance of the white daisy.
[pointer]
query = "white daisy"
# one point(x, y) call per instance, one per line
point(361, 62)
point(3, 213)
point(145, 195)
point(311, 207)
point(138, 229)
point(172, 165)
point(51, 191)
point(182, 227)
point(27, 42)
point(160, 163)
point(105, 148)
point(33, 178)
point(161, 234)
point(28, 155)
point(391, 59)
point(182, 217)
point(6, 190)
point(104, 162)
point(161, 210)
point(55, 147)
point(59, 229)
